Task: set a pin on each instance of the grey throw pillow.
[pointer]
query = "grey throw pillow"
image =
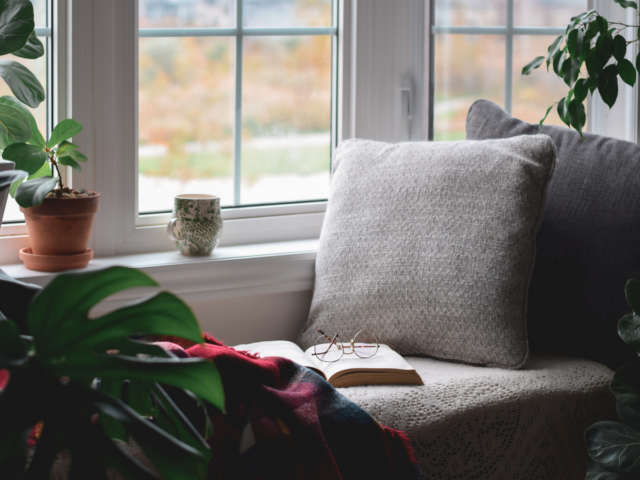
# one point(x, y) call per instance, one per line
point(431, 246)
point(588, 243)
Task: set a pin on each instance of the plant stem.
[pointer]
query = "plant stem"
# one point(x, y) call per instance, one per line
point(55, 164)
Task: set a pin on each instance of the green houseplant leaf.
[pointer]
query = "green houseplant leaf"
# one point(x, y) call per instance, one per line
point(67, 160)
point(614, 445)
point(596, 471)
point(29, 158)
point(563, 111)
point(570, 71)
point(45, 171)
point(627, 72)
point(532, 65)
point(36, 136)
point(619, 47)
point(14, 126)
point(608, 85)
point(64, 131)
point(575, 42)
point(604, 47)
point(577, 116)
point(32, 50)
point(625, 385)
point(15, 297)
point(16, 25)
point(626, 4)
point(75, 155)
point(553, 49)
point(32, 193)
point(628, 415)
point(24, 84)
point(7, 178)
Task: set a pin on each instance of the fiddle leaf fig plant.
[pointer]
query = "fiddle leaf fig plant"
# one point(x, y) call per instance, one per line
point(39, 159)
point(589, 56)
point(80, 384)
point(18, 37)
point(614, 447)
point(7, 178)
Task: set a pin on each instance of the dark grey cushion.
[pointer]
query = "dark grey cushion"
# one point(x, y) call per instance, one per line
point(589, 243)
point(431, 246)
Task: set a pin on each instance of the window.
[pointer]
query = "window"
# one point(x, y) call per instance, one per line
point(235, 99)
point(480, 47)
point(42, 69)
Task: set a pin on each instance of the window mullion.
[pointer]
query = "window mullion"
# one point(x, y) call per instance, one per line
point(508, 74)
point(237, 131)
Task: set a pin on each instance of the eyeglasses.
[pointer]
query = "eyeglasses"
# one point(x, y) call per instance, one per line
point(329, 348)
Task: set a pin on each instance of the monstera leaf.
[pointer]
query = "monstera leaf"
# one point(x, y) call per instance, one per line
point(72, 366)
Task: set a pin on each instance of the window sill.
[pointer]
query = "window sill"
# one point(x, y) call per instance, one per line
point(229, 272)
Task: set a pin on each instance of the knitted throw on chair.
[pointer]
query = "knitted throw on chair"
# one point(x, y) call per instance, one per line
point(284, 421)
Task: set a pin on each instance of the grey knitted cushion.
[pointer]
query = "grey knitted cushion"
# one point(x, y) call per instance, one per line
point(431, 246)
point(589, 241)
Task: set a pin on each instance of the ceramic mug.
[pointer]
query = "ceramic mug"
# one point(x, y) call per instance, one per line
point(196, 224)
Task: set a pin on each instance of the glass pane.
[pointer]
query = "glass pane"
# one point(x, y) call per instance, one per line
point(533, 94)
point(40, 12)
point(467, 67)
point(287, 13)
point(39, 68)
point(286, 120)
point(187, 13)
point(546, 13)
point(476, 13)
point(186, 95)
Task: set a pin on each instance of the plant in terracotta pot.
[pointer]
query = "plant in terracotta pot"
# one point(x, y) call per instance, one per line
point(59, 219)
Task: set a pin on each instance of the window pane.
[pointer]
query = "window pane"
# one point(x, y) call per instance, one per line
point(286, 122)
point(546, 13)
point(187, 13)
point(186, 96)
point(477, 13)
point(40, 12)
point(533, 94)
point(287, 13)
point(467, 67)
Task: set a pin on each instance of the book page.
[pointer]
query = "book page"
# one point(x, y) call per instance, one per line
point(385, 359)
point(281, 348)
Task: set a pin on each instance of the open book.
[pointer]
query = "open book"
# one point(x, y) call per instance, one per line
point(386, 366)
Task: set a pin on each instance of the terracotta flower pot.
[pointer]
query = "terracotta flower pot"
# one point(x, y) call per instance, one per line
point(61, 226)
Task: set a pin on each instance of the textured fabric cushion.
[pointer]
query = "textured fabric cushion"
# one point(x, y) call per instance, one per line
point(431, 245)
point(589, 242)
point(491, 424)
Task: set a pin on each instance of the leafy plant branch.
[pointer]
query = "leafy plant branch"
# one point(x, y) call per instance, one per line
point(594, 44)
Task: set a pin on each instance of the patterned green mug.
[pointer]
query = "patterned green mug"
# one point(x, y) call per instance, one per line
point(196, 224)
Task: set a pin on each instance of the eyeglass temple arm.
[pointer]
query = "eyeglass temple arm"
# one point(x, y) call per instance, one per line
point(333, 340)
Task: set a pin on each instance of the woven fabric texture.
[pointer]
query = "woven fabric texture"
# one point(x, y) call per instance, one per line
point(588, 243)
point(476, 423)
point(431, 245)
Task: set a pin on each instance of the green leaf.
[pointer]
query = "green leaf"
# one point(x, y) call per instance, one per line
point(581, 90)
point(558, 61)
point(628, 415)
point(66, 160)
point(45, 171)
point(638, 61)
point(626, 4)
point(532, 65)
point(16, 25)
point(625, 385)
point(575, 42)
point(553, 49)
point(14, 126)
point(63, 131)
point(12, 350)
point(15, 297)
point(14, 187)
point(36, 136)
point(8, 177)
point(608, 86)
point(75, 154)
point(65, 146)
point(627, 72)
point(604, 48)
point(594, 67)
point(586, 50)
point(592, 31)
point(614, 445)
point(629, 330)
point(632, 294)
point(563, 111)
point(24, 84)
point(593, 84)
point(577, 116)
point(619, 47)
point(602, 23)
point(32, 50)
point(29, 158)
point(32, 193)
point(570, 71)
point(546, 115)
point(595, 471)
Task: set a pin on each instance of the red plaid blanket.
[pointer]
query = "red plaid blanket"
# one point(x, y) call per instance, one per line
point(284, 421)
